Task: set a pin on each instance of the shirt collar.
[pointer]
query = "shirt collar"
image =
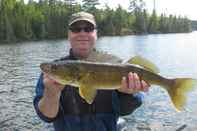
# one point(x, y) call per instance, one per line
point(71, 55)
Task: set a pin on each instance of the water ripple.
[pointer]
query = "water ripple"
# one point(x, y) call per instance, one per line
point(20, 68)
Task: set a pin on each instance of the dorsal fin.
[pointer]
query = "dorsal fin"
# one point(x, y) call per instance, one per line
point(148, 65)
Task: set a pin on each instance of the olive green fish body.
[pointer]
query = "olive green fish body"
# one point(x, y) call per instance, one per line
point(90, 76)
point(102, 75)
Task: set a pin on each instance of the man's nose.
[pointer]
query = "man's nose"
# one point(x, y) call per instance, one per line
point(82, 31)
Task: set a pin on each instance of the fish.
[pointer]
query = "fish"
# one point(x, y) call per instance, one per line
point(91, 76)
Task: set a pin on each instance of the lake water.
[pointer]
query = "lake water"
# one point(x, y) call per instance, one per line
point(174, 54)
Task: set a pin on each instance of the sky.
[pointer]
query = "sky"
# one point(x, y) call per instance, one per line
point(186, 8)
point(183, 8)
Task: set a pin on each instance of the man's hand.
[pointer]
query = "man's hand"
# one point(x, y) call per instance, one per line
point(133, 84)
point(49, 103)
point(51, 85)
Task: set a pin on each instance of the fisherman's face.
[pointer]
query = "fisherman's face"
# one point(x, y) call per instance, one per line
point(82, 36)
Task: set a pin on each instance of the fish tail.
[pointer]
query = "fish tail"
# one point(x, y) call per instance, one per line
point(178, 90)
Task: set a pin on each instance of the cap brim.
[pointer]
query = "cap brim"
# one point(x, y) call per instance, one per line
point(88, 20)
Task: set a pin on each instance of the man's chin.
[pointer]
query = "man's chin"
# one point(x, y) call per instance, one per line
point(84, 53)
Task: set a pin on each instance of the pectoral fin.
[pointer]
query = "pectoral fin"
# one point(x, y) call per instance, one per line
point(87, 93)
point(138, 60)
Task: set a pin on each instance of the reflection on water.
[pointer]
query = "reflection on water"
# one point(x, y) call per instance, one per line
point(173, 53)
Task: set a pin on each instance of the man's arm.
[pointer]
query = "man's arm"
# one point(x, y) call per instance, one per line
point(129, 94)
point(129, 102)
point(46, 101)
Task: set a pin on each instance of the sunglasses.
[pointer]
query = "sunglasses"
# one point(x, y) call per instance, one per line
point(79, 29)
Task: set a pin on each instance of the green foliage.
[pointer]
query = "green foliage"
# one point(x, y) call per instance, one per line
point(194, 25)
point(90, 5)
point(153, 23)
point(48, 19)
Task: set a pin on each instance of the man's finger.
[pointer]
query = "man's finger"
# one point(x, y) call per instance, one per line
point(131, 81)
point(145, 86)
point(124, 82)
point(137, 82)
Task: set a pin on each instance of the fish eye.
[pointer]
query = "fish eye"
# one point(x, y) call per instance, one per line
point(54, 67)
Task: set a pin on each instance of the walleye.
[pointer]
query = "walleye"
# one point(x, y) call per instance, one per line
point(92, 76)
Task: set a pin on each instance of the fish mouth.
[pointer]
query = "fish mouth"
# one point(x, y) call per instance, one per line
point(45, 67)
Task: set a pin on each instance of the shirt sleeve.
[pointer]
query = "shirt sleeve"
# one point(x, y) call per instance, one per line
point(39, 93)
point(129, 102)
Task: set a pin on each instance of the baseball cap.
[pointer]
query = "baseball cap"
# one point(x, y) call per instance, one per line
point(82, 16)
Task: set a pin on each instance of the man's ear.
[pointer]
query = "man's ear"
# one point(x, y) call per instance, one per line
point(96, 34)
point(68, 35)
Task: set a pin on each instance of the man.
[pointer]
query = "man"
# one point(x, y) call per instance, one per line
point(62, 104)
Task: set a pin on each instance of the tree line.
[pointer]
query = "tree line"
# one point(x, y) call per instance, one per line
point(194, 25)
point(48, 19)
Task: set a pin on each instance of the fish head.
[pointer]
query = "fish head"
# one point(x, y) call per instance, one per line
point(62, 72)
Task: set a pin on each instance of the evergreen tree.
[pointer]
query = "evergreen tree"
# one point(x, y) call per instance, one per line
point(136, 8)
point(7, 20)
point(90, 5)
point(71, 5)
point(107, 26)
point(153, 23)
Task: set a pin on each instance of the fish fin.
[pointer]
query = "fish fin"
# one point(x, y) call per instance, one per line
point(87, 93)
point(179, 89)
point(148, 65)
